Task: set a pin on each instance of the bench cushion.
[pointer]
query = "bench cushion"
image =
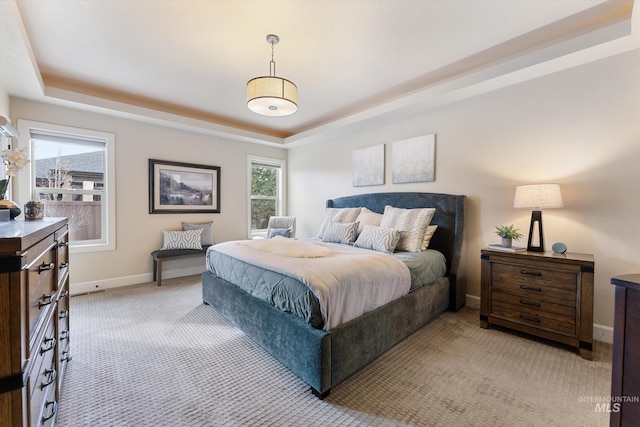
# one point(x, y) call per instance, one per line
point(174, 253)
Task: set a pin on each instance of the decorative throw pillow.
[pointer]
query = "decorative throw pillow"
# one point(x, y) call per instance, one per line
point(341, 215)
point(284, 232)
point(378, 238)
point(340, 233)
point(367, 217)
point(428, 235)
point(412, 224)
point(207, 231)
point(189, 239)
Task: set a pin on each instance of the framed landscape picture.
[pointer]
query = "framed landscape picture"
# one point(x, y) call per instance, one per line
point(176, 187)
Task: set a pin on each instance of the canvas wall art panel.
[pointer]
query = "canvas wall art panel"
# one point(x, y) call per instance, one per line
point(413, 159)
point(368, 166)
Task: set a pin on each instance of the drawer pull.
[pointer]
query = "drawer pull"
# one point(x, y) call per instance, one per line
point(64, 265)
point(51, 373)
point(64, 335)
point(54, 408)
point(65, 356)
point(527, 288)
point(535, 304)
point(46, 341)
point(530, 319)
point(64, 314)
point(63, 244)
point(45, 266)
point(45, 300)
point(64, 293)
point(530, 273)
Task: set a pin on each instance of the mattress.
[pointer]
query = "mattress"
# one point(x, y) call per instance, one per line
point(293, 296)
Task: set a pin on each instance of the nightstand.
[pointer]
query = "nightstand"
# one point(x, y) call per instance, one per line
point(543, 294)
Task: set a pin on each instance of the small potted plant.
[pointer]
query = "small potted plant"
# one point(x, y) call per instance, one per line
point(508, 234)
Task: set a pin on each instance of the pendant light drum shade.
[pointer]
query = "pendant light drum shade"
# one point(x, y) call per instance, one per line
point(272, 96)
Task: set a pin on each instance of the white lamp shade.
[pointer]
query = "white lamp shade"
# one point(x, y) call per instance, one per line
point(272, 96)
point(538, 196)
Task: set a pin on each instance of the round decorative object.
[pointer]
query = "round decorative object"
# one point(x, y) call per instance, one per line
point(559, 248)
point(14, 209)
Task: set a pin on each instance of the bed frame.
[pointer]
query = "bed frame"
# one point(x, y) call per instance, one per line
point(323, 359)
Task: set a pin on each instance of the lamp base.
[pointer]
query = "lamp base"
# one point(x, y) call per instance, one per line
point(536, 216)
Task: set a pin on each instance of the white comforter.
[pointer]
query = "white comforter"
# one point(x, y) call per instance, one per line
point(347, 281)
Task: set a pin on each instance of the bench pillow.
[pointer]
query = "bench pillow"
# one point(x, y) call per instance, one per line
point(207, 231)
point(189, 239)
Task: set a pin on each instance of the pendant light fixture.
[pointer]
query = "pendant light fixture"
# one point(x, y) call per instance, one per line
point(271, 95)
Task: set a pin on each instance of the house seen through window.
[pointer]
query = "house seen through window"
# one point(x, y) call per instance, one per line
point(71, 178)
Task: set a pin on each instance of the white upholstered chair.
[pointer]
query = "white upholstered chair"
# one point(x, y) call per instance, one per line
point(281, 222)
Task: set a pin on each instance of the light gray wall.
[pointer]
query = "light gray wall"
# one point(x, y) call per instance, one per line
point(579, 128)
point(138, 232)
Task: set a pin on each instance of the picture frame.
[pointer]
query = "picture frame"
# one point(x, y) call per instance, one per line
point(176, 187)
point(413, 160)
point(367, 165)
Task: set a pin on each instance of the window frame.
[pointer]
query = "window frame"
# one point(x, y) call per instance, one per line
point(281, 198)
point(26, 183)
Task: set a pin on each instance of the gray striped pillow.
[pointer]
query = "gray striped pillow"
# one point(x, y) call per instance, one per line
point(378, 239)
point(189, 239)
point(412, 224)
point(340, 233)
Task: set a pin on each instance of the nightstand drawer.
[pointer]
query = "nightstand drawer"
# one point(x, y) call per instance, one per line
point(534, 312)
point(529, 281)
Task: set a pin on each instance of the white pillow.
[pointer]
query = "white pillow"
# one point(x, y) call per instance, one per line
point(412, 224)
point(367, 217)
point(378, 238)
point(207, 231)
point(428, 235)
point(189, 239)
point(340, 233)
point(342, 215)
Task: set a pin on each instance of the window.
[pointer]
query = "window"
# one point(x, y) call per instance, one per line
point(266, 193)
point(72, 174)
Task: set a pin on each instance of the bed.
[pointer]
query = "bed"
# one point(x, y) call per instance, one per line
point(324, 358)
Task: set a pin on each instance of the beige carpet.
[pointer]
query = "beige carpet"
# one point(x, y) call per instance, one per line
point(156, 356)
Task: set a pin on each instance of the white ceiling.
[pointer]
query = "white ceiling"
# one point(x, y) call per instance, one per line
point(185, 63)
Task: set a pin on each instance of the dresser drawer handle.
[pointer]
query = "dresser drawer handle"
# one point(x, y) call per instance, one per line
point(44, 349)
point(51, 373)
point(64, 335)
point(527, 288)
point(65, 356)
point(530, 319)
point(64, 265)
point(64, 293)
point(64, 314)
point(530, 273)
point(45, 266)
point(45, 300)
point(54, 408)
point(63, 244)
point(535, 304)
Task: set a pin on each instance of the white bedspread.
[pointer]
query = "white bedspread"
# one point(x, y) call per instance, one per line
point(347, 281)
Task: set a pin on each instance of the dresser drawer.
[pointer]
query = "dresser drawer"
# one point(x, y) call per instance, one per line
point(41, 285)
point(43, 354)
point(537, 313)
point(44, 406)
point(531, 281)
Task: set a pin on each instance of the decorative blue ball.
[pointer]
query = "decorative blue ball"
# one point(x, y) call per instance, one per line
point(559, 248)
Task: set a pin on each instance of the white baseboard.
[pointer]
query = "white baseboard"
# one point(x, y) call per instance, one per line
point(102, 285)
point(600, 332)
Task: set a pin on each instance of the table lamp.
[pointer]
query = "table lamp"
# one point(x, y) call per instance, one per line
point(537, 197)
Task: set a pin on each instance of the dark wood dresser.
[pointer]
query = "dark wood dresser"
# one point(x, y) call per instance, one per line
point(625, 373)
point(543, 294)
point(34, 319)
